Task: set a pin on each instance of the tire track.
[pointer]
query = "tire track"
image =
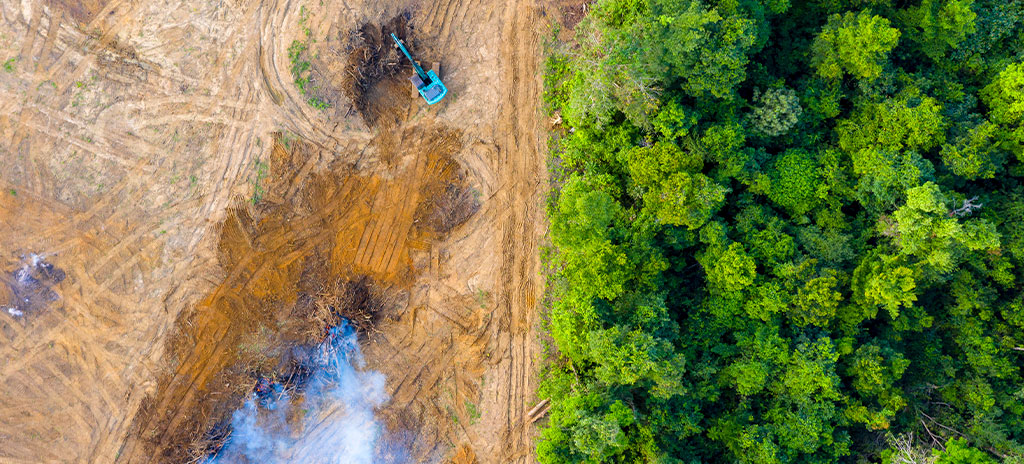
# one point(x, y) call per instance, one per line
point(521, 157)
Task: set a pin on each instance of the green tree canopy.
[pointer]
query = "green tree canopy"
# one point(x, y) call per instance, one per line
point(754, 260)
point(853, 43)
point(1005, 99)
point(940, 25)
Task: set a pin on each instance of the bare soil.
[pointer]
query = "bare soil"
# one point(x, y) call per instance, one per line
point(203, 216)
point(336, 246)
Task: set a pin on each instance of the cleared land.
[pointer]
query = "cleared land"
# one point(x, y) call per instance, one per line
point(160, 156)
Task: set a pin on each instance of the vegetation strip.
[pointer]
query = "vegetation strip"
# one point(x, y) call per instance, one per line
point(298, 55)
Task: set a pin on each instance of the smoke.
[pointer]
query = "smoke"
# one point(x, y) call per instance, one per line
point(31, 286)
point(330, 420)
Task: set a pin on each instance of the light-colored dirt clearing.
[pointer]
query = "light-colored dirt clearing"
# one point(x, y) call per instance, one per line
point(133, 135)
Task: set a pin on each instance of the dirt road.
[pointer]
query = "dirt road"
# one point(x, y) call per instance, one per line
point(523, 169)
point(128, 129)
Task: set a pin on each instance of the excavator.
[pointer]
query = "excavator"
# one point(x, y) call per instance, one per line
point(427, 83)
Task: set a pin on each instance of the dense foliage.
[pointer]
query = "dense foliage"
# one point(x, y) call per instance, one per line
point(788, 232)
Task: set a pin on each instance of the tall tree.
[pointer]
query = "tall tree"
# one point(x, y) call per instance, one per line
point(853, 43)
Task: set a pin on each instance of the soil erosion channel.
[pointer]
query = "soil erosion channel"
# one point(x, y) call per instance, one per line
point(177, 214)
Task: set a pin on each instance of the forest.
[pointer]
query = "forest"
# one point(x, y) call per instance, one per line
point(786, 231)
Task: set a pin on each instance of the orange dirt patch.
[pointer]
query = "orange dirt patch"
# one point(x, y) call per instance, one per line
point(464, 455)
point(289, 266)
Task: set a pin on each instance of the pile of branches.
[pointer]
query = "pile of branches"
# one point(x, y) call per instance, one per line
point(374, 58)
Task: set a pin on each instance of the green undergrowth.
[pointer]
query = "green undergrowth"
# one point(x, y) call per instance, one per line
point(298, 55)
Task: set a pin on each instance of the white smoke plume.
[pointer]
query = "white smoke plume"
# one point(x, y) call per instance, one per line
point(330, 421)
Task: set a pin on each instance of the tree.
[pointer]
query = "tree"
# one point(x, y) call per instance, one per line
point(817, 301)
point(764, 353)
point(975, 155)
point(686, 199)
point(910, 121)
point(992, 43)
point(936, 239)
point(958, 451)
point(583, 224)
point(880, 281)
point(885, 174)
point(799, 411)
point(674, 120)
point(731, 271)
point(794, 181)
point(675, 190)
point(854, 43)
point(601, 437)
point(1005, 99)
point(777, 111)
point(586, 428)
point(885, 141)
point(938, 26)
point(875, 373)
point(634, 356)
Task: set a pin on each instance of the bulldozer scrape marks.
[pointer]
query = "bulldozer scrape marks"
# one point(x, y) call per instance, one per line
point(132, 136)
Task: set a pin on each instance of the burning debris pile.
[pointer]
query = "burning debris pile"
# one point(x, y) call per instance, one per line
point(328, 418)
point(306, 379)
point(357, 301)
point(30, 288)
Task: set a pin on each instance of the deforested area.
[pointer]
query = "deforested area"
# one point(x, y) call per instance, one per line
point(786, 232)
point(269, 232)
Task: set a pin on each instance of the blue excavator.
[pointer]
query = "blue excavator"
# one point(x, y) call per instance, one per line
point(427, 83)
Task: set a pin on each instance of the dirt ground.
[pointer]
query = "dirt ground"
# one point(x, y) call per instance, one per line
point(164, 178)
